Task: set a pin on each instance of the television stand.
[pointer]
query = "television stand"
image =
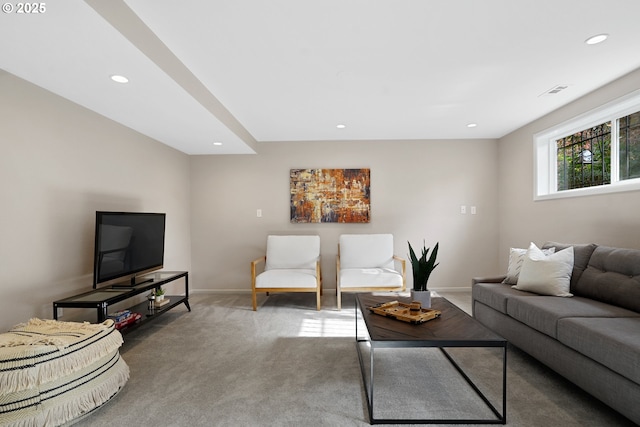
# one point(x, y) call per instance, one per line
point(101, 298)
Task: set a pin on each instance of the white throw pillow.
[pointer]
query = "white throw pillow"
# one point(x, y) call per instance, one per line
point(546, 275)
point(516, 258)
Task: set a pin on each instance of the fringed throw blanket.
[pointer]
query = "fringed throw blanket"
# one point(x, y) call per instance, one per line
point(52, 372)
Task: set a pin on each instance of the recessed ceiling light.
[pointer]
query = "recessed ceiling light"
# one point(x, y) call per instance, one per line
point(217, 143)
point(119, 79)
point(341, 126)
point(472, 125)
point(596, 39)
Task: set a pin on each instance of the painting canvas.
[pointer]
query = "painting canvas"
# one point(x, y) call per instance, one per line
point(330, 195)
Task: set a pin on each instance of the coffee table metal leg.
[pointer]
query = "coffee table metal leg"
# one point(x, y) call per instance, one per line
point(502, 418)
point(368, 388)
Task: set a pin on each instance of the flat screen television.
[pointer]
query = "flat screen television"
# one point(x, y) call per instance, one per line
point(127, 244)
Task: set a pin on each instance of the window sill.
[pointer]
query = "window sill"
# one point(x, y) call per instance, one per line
point(619, 187)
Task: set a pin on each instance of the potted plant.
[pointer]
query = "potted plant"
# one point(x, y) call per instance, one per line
point(422, 268)
point(159, 294)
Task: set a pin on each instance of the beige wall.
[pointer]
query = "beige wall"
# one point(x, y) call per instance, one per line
point(612, 219)
point(59, 164)
point(417, 189)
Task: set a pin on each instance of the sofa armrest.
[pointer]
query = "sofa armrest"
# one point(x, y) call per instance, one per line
point(488, 279)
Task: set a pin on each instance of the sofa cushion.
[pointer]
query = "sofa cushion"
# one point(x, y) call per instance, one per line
point(369, 277)
point(543, 312)
point(546, 274)
point(581, 255)
point(516, 258)
point(612, 276)
point(614, 342)
point(495, 295)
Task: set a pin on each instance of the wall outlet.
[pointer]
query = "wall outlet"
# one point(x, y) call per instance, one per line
point(463, 209)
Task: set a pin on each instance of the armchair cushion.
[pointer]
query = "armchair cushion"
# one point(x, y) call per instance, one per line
point(297, 252)
point(369, 278)
point(366, 251)
point(281, 278)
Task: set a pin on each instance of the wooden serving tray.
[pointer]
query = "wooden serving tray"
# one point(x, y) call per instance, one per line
point(401, 311)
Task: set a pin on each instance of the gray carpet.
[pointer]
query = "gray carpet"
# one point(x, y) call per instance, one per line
point(289, 365)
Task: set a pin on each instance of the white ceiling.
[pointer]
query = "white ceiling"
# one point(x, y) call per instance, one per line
point(246, 72)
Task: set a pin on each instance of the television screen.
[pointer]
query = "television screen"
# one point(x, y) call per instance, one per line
point(126, 244)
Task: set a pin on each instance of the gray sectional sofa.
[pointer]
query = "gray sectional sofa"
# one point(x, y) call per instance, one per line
point(592, 338)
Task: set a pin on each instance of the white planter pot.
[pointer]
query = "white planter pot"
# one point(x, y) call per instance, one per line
point(423, 296)
point(159, 298)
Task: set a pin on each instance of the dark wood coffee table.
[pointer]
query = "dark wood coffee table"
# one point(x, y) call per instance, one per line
point(454, 328)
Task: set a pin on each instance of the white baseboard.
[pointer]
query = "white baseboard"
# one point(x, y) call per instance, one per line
point(220, 291)
point(248, 291)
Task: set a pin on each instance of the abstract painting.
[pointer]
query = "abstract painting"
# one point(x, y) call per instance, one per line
point(330, 195)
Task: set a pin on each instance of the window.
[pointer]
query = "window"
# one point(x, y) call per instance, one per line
point(629, 136)
point(584, 158)
point(597, 152)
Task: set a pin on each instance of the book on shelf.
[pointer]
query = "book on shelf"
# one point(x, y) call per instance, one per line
point(132, 318)
point(158, 304)
point(119, 316)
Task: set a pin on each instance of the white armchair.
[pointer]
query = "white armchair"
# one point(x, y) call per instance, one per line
point(292, 264)
point(366, 263)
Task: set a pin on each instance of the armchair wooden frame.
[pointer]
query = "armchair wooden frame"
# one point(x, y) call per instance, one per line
point(254, 290)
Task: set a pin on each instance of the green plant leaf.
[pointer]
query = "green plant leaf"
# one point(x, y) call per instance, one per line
point(423, 267)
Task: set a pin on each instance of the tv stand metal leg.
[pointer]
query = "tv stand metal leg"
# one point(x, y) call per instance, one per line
point(102, 312)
